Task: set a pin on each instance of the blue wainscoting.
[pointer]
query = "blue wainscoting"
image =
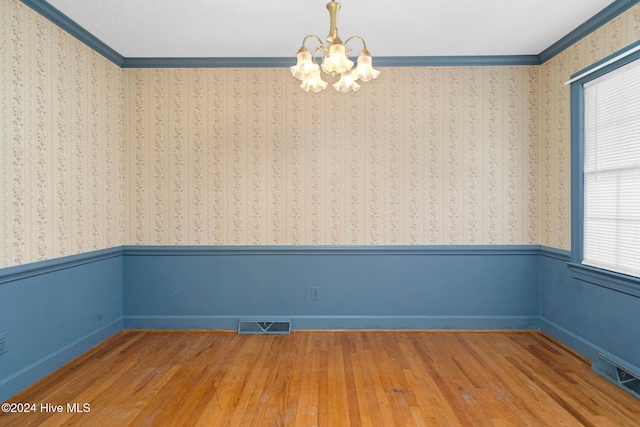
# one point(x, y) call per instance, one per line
point(397, 287)
point(53, 311)
point(586, 317)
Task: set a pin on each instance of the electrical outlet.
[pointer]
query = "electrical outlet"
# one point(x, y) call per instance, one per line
point(3, 342)
point(315, 293)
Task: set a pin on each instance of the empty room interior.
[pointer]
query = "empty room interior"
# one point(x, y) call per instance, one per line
point(209, 218)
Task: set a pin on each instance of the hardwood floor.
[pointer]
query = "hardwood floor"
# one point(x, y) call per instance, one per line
point(372, 378)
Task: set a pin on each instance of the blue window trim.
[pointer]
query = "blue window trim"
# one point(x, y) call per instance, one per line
point(619, 282)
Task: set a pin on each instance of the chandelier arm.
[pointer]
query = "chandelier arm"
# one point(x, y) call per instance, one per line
point(364, 45)
point(311, 36)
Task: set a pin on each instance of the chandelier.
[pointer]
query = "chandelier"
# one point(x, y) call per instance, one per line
point(334, 61)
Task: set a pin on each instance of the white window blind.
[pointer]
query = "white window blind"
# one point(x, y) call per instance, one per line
point(612, 171)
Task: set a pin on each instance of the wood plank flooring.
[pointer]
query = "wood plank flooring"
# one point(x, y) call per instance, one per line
point(363, 378)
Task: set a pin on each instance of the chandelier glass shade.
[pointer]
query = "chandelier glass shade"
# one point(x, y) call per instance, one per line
point(335, 60)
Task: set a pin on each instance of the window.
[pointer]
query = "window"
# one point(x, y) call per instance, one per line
point(611, 170)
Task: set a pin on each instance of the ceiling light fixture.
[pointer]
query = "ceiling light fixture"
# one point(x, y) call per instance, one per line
point(335, 60)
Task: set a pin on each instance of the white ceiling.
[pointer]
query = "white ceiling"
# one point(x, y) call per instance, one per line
point(261, 28)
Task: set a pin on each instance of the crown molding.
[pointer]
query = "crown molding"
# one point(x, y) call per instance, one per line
point(597, 21)
point(72, 27)
point(380, 61)
point(237, 62)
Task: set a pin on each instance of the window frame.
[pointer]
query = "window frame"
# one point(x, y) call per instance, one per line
point(617, 281)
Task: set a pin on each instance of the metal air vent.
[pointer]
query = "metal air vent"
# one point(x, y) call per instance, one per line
point(264, 327)
point(617, 374)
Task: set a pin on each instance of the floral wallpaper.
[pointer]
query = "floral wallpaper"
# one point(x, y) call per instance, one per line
point(555, 122)
point(61, 163)
point(93, 156)
point(419, 156)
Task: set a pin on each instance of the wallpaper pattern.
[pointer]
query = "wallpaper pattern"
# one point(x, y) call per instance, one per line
point(61, 164)
point(93, 156)
point(555, 129)
point(419, 156)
